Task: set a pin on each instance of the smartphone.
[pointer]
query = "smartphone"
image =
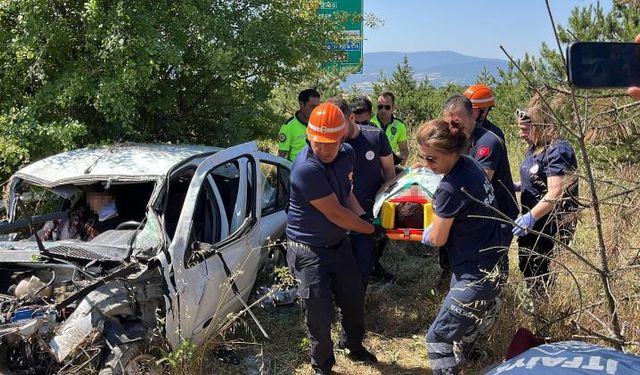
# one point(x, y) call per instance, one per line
point(604, 64)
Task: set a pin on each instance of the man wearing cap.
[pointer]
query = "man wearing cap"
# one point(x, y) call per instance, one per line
point(393, 127)
point(293, 134)
point(322, 209)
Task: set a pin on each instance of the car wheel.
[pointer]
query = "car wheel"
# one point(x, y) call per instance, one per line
point(278, 256)
point(136, 359)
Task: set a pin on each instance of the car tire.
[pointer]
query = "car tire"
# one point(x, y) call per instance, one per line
point(279, 255)
point(137, 358)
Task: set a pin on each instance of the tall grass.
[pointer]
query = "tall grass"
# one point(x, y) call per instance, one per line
point(398, 314)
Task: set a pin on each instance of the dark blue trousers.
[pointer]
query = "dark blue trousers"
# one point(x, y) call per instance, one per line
point(364, 251)
point(465, 313)
point(325, 275)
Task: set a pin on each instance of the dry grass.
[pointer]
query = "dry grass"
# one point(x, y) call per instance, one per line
point(398, 314)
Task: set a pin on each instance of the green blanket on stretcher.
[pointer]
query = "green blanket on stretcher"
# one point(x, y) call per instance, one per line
point(422, 179)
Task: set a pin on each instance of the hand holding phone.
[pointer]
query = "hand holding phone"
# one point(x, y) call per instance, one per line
point(604, 65)
point(634, 91)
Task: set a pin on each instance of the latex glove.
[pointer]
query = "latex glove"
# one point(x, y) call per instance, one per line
point(523, 224)
point(425, 236)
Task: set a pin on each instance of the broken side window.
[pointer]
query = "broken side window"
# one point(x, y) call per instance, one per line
point(275, 188)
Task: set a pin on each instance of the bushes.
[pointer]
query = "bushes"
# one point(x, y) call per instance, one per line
point(24, 139)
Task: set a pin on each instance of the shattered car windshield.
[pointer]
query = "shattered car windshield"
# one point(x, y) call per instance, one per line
point(98, 214)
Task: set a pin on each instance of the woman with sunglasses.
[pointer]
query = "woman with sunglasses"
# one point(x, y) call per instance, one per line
point(549, 191)
point(464, 225)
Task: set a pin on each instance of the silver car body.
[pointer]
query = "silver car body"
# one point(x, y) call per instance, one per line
point(244, 221)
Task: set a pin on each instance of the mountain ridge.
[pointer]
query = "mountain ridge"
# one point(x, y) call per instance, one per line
point(440, 67)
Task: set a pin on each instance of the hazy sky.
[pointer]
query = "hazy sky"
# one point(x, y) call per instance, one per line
point(470, 27)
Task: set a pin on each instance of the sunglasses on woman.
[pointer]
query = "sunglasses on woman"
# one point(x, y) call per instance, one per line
point(385, 106)
point(428, 159)
point(522, 115)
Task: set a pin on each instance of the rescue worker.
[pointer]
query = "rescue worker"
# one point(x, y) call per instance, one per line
point(549, 191)
point(393, 127)
point(373, 166)
point(482, 100)
point(322, 209)
point(292, 137)
point(461, 227)
point(488, 149)
point(362, 111)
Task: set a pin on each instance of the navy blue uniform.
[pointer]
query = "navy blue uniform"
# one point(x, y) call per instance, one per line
point(468, 235)
point(369, 146)
point(494, 128)
point(490, 151)
point(473, 249)
point(319, 255)
point(312, 179)
point(556, 159)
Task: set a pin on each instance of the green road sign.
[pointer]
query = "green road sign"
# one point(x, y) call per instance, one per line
point(348, 54)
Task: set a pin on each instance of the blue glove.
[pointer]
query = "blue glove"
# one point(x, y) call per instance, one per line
point(523, 224)
point(425, 236)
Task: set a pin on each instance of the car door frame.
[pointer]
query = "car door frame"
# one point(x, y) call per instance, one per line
point(179, 277)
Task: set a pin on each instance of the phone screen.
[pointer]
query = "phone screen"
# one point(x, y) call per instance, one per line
point(601, 64)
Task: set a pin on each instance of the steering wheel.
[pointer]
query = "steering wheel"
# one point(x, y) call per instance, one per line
point(131, 224)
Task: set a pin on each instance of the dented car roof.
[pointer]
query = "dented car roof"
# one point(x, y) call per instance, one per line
point(140, 161)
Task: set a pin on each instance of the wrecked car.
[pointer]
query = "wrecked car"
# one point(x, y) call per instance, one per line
point(193, 225)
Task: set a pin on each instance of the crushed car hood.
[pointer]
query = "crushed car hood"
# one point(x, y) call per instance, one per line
point(111, 246)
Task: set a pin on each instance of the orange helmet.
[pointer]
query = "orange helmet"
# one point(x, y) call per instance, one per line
point(326, 124)
point(480, 95)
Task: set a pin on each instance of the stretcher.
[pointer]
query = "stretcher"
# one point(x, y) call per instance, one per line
point(414, 185)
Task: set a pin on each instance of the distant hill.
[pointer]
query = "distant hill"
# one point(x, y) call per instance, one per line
point(440, 67)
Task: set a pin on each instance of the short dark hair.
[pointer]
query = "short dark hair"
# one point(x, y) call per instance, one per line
point(389, 94)
point(458, 101)
point(342, 104)
point(307, 94)
point(361, 104)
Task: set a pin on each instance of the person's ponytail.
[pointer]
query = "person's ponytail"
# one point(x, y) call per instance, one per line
point(445, 137)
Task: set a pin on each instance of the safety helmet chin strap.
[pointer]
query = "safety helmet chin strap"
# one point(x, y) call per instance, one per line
point(482, 116)
point(485, 112)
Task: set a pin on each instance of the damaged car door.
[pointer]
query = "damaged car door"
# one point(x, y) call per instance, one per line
point(218, 228)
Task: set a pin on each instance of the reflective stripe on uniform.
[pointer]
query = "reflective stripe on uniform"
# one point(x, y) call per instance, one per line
point(443, 363)
point(439, 347)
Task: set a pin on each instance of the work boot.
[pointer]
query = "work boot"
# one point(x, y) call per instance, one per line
point(362, 355)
